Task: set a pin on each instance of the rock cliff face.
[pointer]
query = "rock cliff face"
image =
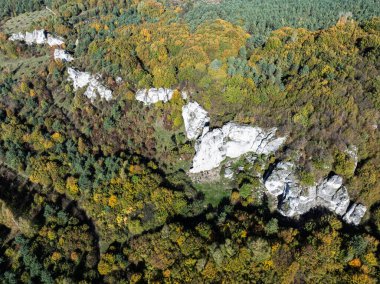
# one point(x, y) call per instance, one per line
point(295, 199)
point(152, 96)
point(232, 140)
point(195, 119)
point(94, 87)
point(60, 54)
point(37, 37)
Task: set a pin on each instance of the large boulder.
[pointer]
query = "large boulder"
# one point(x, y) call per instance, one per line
point(195, 119)
point(63, 55)
point(280, 179)
point(333, 195)
point(355, 214)
point(297, 200)
point(53, 41)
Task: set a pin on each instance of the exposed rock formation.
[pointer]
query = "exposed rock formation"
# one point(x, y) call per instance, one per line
point(232, 140)
point(154, 95)
point(119, 80)
point(53, 41)
point(295, 199)
point(228, 173)
point(79, 79)
point(352, 151)
point(94, 87)
point(60, 54)
point(332, 195)
point(281, 178)
point(184, 95)
point(195, 119)
point(37, 37)
point(355, 214)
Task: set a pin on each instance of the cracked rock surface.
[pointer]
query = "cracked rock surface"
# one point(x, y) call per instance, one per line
point(232, 141)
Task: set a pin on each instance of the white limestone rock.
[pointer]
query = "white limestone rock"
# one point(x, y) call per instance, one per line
point(195, 119)
point(228, 173)
point(152, 96)
point(333, 195)
point(94, 87)
point(279, 179)
point(17, 37)
point(61, 54)
point(210, 152)
point(184, 95)
point(295, 199)
point(355, 214)
point(79, 79)
point(119, 80)
point(232, 141)
point(37, 37)
point(53, 41)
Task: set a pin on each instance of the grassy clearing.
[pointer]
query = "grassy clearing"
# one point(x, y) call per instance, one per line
point(213, 192)
point(168, 145)
point(22, 66)
point(24, 22)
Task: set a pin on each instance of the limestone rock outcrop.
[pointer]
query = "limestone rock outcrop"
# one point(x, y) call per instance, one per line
point(281, 178)
point(195, 119)
point(61, 54)
point(232, 140)
point(152, 96)
point(354, 214)
point(295, 199)
point(37, 37)
point(94, 86)
point(332, 195)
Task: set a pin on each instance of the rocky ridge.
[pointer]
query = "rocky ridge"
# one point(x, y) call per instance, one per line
point(37, 37)
point(234, 140)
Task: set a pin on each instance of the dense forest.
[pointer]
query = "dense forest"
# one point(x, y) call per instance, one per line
point(99, 191)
